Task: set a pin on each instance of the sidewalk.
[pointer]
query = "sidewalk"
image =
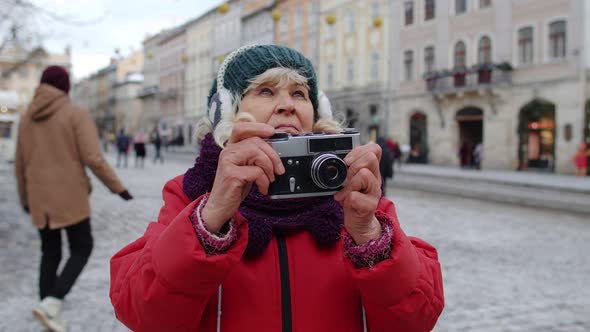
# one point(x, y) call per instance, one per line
point(539, 190)
point(560, 182)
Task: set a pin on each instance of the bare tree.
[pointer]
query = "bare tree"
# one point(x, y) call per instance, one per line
point(24, 23)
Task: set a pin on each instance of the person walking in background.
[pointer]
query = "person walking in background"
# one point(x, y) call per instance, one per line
point(465, 155)
point(122, 147)
point(139, 147)
point(386, 162)
point(56, 141)
point(157, 140)
point(396, 151)
point(478, 155)
point(580, 159)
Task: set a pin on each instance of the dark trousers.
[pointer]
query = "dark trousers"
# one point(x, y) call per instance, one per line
point(80, 242)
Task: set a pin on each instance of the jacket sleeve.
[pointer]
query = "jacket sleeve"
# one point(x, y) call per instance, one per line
point(91, 153)
point(19, 169)
point(163, 280)
point(405, 291)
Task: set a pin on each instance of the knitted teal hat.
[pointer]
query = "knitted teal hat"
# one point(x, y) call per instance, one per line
point(246, 63)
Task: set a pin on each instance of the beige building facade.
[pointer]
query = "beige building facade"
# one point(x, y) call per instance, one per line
point(296, 25)
point(511, 75)
point(128, 105)
point(355, 51)
point(199, 72)
point(172, 69)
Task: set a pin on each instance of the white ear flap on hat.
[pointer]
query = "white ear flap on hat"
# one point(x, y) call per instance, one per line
point(227, 106)
point(212, 112)
point(324, 107)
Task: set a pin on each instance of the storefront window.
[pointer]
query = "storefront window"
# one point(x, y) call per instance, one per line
point(537, 136)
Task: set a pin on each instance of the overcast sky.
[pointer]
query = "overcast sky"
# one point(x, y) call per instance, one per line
point(123, 24)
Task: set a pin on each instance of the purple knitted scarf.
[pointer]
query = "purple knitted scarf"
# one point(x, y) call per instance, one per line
point(321, 216)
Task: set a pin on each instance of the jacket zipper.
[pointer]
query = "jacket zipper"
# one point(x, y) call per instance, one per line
point(285, 285)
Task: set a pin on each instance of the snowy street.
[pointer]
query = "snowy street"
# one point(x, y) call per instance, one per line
point(506, 267)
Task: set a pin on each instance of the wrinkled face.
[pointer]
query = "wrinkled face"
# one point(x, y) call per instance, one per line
point(281, 103)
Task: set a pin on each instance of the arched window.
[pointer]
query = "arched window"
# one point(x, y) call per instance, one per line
point(460, 55)
point(525, 46)
point(557, 39)
point(484, 50)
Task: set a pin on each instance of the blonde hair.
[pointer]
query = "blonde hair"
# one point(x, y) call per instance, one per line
point(278, 76)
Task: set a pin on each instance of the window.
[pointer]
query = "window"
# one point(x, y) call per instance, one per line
point(525, 46)
point(408, 65)
point(484, 50)
point(557, 42)
point(350, 70)
point(375, 9)
point(460, 55)
point(330, 31)
point(375, 66)
point(429, 10)
point(409, 12)
point(299, 18)
point(330, 74)
point(429, 59)
point(460, 6)
point(298, 44)
point(285, 25)
point(485, 3)
point(350, 22)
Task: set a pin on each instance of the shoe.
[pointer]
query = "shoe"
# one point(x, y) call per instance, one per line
point(48, 312)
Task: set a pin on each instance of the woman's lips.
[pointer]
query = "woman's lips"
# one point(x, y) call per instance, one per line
point(288, 129)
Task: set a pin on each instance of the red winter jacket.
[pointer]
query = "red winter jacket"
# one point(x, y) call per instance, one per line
point(164, 281)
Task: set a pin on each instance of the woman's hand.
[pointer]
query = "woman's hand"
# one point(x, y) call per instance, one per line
point(246, 159)
point(361, 193)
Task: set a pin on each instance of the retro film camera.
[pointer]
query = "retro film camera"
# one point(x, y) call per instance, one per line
point(313, 163)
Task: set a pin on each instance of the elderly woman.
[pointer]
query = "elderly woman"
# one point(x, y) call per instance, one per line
point(225, 257)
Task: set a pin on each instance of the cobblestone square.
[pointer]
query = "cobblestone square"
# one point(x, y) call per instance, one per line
point(505, 267)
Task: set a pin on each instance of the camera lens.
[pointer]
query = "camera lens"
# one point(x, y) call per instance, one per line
point(328, 171)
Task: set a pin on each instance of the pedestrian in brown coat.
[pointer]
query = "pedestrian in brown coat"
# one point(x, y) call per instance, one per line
point(56, 141)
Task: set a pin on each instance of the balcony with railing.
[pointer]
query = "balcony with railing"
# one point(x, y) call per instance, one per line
point(461, 80)
point(148, 91)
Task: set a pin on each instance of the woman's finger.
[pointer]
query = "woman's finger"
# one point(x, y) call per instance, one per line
point(359, 151)
point(273, 155)
point(245, 130)
point(368, 160)
point(246, 153)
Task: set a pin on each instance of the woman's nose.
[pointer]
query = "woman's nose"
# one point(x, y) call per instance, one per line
point(285, 104)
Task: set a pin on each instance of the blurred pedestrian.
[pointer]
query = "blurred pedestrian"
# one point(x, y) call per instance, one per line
point(465, 155)
point(396, 151)
point(123, 143)
point(56, 141)
point(580, 159)
point(478, 155)
point(157, 141)
point(385, 163)
point(139, 147)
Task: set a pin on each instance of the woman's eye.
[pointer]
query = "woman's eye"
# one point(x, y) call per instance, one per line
point(299, 93)
point(266, 92)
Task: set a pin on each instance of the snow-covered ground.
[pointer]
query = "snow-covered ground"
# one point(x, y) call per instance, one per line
point(506, 267)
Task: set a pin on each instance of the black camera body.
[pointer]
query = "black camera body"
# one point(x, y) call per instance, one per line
point(314, 164)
